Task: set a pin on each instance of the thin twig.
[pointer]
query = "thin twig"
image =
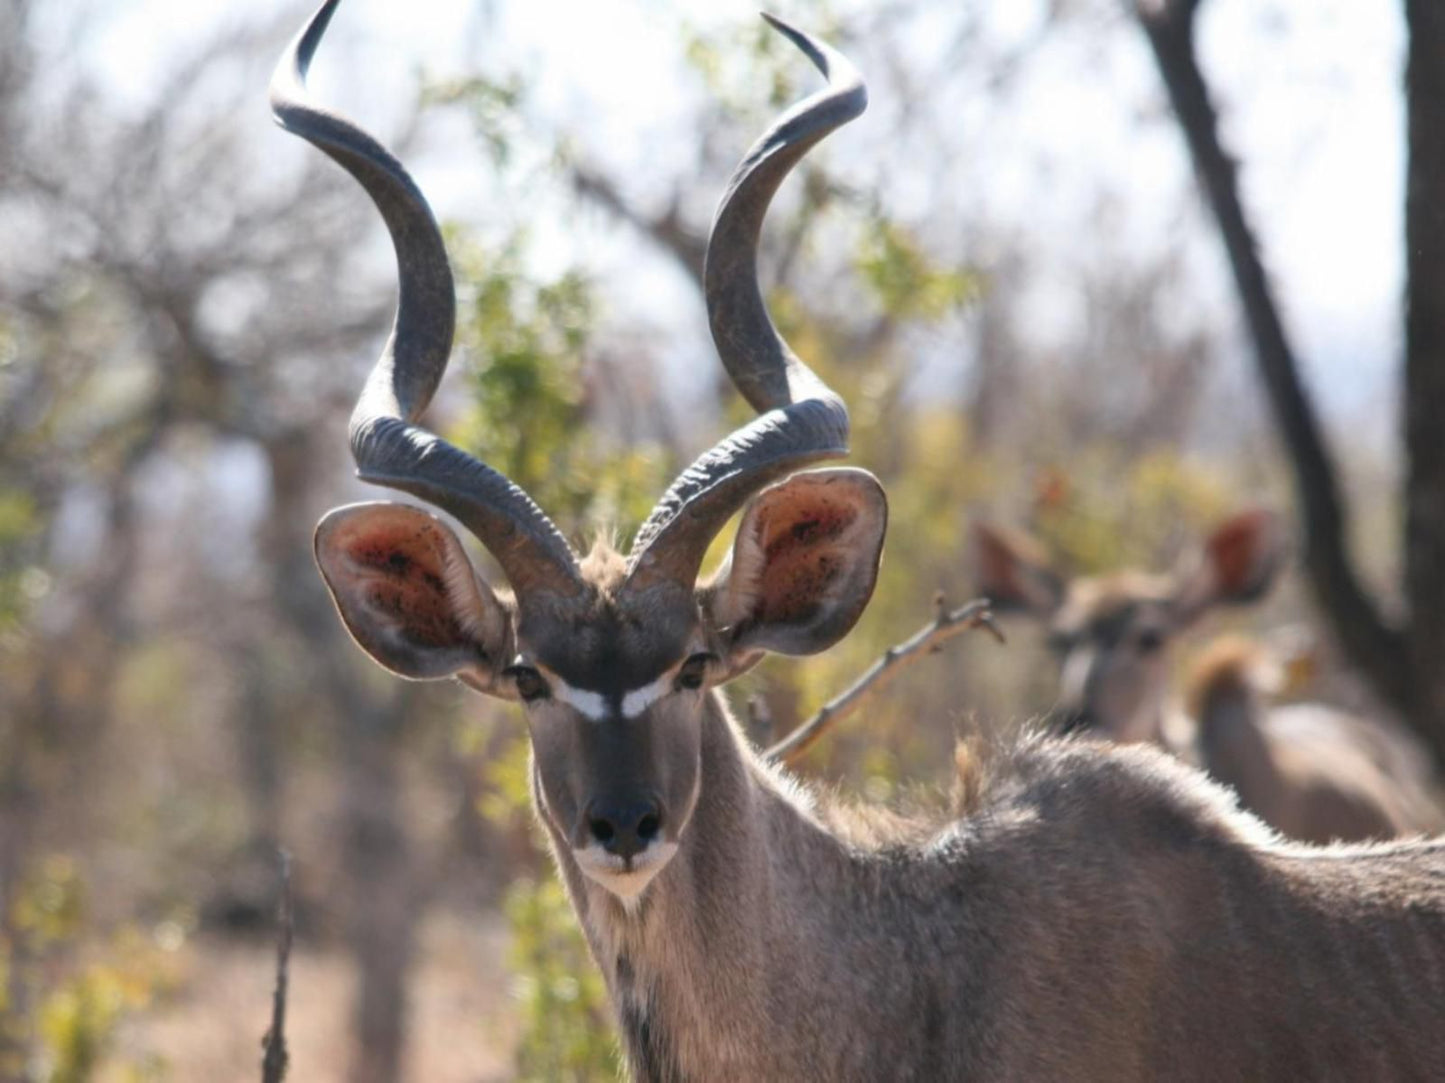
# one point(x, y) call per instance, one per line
point(275, 1060)
point(927, 640)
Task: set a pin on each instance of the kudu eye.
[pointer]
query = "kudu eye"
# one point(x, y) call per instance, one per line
point(531, 685)
point(694, 671)
point(1149, 640)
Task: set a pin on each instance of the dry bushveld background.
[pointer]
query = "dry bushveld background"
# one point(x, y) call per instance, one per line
point(1076, 340)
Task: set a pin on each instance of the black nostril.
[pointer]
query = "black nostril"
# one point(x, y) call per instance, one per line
point(625, 827)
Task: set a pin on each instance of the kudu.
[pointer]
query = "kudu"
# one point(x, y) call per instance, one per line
point(1103, 913)
point(1313, 773)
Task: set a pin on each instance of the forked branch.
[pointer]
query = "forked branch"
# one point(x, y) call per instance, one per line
point(927, 640)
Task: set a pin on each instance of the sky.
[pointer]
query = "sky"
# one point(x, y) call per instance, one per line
point(1310, 96)
point(1320, 125)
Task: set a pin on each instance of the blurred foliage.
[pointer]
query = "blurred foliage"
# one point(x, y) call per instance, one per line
point(50, 910)
point(1158, 503)
point(566, 1033)
point(19, 524)
point(907, 283)
point(522, 344)
point(81, 993)
point(77, 1022)
point(492, 104)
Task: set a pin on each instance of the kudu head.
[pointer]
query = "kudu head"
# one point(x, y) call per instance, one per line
point(1113, 632)
point(614, 659)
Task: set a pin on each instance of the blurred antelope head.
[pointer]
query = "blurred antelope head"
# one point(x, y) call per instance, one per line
point(1113, 632)
point(614, 659)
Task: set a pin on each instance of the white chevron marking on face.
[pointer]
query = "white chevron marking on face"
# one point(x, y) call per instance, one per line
point(593, 705)
point(639, 699)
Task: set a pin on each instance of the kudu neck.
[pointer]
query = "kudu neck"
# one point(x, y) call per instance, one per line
point(689, 964)
point(1232, 744)
point(746, 814)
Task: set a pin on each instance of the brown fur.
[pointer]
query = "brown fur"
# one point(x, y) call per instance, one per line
point(1102, 913)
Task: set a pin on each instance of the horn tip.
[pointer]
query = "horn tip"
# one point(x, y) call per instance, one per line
point(836, 68)
point(289, 78)
point(788, 30)
point(310, 37)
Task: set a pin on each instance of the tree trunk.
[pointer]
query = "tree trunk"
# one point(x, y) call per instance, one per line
point(384, 899)
point(1424, 383)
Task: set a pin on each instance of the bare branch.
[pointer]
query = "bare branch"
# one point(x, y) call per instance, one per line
point(275, 1059)
point(927, 640)
point(667, 229)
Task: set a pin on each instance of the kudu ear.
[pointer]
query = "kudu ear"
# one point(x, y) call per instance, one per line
point(409, 596)
point(803, 565)
point(1013, 571)
point(1240, 562)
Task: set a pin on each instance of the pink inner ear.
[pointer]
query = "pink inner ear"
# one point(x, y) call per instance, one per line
point(398, 575)
point(996, 565)
point(801, 559)
point(1234, 551)
point(1003, 569)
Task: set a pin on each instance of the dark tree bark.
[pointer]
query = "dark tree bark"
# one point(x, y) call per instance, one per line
point(1424, 383)
point(1403, 663)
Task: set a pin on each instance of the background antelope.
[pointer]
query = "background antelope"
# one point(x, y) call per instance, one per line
point(1094, 913)
point(1314, 773)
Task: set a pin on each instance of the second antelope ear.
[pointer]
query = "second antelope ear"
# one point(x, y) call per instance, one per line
point(1014, 573)
point(803, 566)
point(1240, 562)
point(408, 594)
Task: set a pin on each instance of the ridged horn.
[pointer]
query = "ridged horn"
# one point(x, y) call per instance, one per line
point(802, 419)
point(389, 447)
